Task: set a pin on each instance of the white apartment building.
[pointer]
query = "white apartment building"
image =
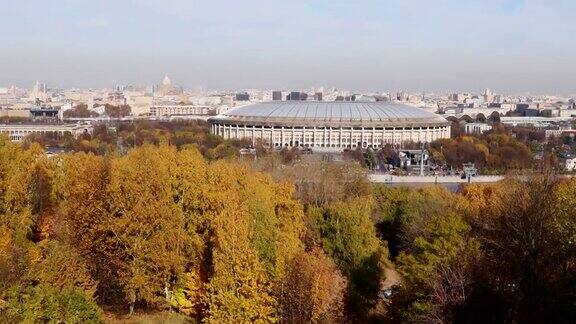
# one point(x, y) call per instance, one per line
point(17, 132)
point(167, 110)
point(476, 128)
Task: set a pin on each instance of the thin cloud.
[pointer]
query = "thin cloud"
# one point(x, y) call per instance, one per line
point(95, 22)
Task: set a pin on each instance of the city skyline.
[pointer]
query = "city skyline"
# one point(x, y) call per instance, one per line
point(154, 86)
point(510, 46)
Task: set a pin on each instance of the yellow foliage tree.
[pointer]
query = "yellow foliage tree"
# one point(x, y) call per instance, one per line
point(145, 228)
point(313, 290)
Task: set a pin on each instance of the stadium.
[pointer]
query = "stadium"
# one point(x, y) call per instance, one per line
point(330, 125)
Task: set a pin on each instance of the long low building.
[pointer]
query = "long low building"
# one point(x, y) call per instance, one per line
point(533, 120)
point(167, 110)
point(330, 125)
point(17, 132)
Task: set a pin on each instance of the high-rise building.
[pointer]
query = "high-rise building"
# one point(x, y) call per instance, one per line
point(39, 92)
point(39, 87)
point(294, 95)
point(459, 97)
point(488, 95)
point(402, 96)
point(242, 96)
point(277, 95)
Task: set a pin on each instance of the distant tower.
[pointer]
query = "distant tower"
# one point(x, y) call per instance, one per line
point(277, 95)
point(38, 91)
point(401, 96)
point(244, 96)
point(167, 88)
point(166, 81)
point(488, 96)
point(37, 88)
point(294, 95)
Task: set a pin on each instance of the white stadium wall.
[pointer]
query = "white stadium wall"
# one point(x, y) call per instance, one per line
point(330, 125)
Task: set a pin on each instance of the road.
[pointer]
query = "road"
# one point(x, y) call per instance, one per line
point(387, 178)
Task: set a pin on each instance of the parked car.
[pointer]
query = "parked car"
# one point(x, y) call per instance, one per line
point(386, 293)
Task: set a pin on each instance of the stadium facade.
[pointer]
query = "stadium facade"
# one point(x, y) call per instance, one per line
point(330, 125)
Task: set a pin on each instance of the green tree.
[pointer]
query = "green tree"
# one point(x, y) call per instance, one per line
point(436, 275)
point(40, 305)
point(349, 236)
point(401, 214)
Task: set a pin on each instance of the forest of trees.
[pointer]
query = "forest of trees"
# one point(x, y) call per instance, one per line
point(117, 139)
point(500, 150)
point(82, 111)
point(170, 228)
point(117, 111)
point(164, 229)
point(503, 253)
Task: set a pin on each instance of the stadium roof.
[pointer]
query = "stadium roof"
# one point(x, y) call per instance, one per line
point(329, 113)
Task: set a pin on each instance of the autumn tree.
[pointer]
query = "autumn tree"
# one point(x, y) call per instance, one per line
point(144, 230)
point(26, 208)
point(313, 290)
point(526, 236)
point(494, 151)
point(117, 111)
point(41, 279)
point(56, 287)
point(321, 183)
point(61, 268)
point(240, 287)
point(80, 111)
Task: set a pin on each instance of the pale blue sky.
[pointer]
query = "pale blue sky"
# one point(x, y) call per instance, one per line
point(508, 45)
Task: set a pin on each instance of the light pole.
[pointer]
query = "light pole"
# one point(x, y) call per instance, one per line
point(422, 159)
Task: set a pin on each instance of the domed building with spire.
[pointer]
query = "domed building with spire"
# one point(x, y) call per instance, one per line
point(167, 89)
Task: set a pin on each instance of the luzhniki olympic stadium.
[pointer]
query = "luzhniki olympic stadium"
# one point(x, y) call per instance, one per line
point(333, 125)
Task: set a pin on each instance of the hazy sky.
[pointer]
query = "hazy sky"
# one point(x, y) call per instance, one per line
point(507, 45)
